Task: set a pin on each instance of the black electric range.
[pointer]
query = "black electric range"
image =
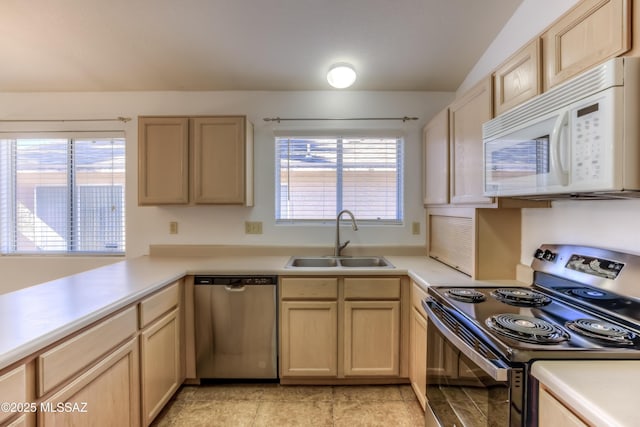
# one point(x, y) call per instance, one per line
point(584, 303)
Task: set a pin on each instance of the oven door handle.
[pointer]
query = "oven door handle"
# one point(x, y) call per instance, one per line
point(496, 372)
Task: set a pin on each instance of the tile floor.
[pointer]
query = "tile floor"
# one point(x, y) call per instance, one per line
point(276, 405)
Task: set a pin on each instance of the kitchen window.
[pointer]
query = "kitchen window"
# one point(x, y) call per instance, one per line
point(318, 177)
point(62, 193)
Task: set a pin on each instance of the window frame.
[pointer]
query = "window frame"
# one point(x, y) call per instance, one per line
point(400, 165)
point(8, 209)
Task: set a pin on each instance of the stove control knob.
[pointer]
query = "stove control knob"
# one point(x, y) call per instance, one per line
point(539, 254)
point(548, 255)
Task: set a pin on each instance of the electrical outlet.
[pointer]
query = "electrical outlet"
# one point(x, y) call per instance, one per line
point(415, 227)
point(173, 227)
point(253, 227)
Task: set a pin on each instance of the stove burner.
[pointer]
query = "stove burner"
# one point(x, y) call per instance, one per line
point(521, 297)
point(527, 329)
point(602, 330)
point(592, 294)
point(466, 295)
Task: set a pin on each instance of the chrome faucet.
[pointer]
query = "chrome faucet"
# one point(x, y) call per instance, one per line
point(339, 247)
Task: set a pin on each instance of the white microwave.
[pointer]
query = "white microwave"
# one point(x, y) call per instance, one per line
point(580, 139)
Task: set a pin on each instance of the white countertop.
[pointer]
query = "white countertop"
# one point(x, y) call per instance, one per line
point(604, 392)
point(35, 317)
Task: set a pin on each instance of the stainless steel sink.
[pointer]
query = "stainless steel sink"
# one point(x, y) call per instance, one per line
point(337, 262)
point(364, 262)
point(312, 262)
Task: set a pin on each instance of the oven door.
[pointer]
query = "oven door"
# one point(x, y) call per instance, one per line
point(467, 385)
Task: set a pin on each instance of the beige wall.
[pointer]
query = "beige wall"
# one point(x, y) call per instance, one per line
point(22, 271)
point(225, 224)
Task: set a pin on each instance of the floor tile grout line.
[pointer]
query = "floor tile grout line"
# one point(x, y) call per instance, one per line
point(189, 397)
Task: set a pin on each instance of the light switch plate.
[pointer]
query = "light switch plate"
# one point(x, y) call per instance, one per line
point(415, 227)
point(173, 227)
point(253, 227)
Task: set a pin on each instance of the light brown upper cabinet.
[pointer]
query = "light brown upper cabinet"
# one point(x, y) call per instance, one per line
point(163, 160)
point(435, 140)
point(197, 160)
point(590, 33)
point(518, 78)
point(466, 116)
point(483, 243)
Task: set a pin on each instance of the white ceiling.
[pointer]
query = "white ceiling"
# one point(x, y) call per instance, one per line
point(123, 45)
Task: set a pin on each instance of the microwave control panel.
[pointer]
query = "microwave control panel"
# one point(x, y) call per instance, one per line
point(588, 141)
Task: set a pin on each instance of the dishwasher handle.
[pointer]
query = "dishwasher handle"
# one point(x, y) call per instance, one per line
point(233, 288)
point(235, 281)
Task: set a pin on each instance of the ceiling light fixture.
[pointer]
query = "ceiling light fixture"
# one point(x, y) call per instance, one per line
point(341, 76)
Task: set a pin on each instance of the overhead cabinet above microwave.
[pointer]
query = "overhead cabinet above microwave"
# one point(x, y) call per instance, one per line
point(579, 139)
point(195, 160)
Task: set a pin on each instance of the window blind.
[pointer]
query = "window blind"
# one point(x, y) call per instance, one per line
point(62, 194)
point(318, 177)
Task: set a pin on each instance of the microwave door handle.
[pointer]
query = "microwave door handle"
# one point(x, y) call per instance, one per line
point(559, 144)
point(495, 372)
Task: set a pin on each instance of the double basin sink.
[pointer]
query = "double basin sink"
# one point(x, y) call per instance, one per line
point(338, 262)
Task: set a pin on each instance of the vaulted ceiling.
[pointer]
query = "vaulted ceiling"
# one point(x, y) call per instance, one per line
point(124, 45)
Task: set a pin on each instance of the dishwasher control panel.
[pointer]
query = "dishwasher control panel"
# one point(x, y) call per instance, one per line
point(235, 280)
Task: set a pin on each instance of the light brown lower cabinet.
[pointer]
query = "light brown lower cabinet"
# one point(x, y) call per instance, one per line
point(23, 420)
point(105, 395)
point(552, 412)
point(119, 372)
point(372, 338)
point(15, 389)
point(309, 339)
point(418, 345)
point(418, 356)
point(160, 364)
point(340, 328)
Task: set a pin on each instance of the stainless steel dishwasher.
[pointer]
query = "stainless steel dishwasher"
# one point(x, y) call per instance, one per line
point(235, 326)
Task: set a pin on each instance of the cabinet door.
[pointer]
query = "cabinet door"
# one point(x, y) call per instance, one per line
point(436, 160)
point(371, 338)
point(551, 412)
point(588, 34)
point(110, 390)
point(25, 420)
point(451, 240)
point(309, 339)
point(418, 356)
point(466, 118)
point(160, 364)
point(13, 389)
point(518, 79)
point(163, 160)
point(219, 159)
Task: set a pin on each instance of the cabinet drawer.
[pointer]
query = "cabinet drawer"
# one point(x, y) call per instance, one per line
point(156, 305)
point(417, 295)
point(372, 288)
point(13, 389)
point(309, 288)
point(75, 354)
